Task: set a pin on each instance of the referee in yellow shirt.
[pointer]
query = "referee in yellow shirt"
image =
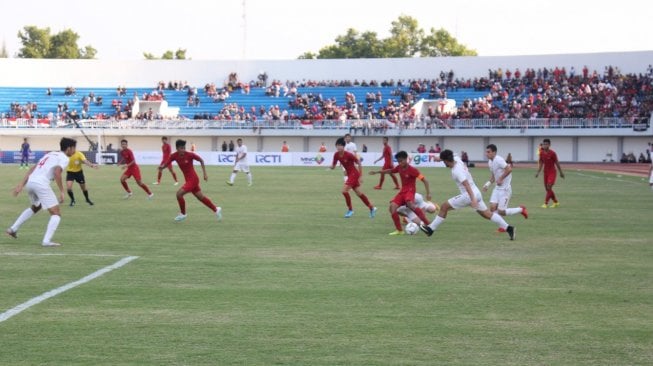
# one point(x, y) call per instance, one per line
point(74, 173)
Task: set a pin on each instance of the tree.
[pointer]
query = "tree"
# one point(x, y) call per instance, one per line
point(39, 43)
point(180, 54)
point(406, 39)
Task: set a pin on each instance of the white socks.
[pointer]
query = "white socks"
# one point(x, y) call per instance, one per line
point(513, 211)
point(497, 219)
point(21, 219)
point(232, 178)
point(435, 223)
point(52, 227)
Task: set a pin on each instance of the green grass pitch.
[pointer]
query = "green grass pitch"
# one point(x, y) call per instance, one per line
point(284, 279)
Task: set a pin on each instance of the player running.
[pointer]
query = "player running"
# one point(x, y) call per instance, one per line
point(549, 160)
point(128, 162)
point(353, 170)
point(386, 155)
point(192, 185)
point(166, 150)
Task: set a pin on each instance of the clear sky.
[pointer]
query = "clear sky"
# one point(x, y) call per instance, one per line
point(285, 29)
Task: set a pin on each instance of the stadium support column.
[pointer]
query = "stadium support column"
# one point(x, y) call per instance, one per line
point(574, 149)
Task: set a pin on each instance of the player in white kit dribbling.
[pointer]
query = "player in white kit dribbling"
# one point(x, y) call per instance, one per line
point(37, 184)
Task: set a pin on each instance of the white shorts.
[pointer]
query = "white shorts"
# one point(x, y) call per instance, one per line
point(242, 166)
point(650, 179)
point(41, 195)
point(463, 200)
point(501, 197)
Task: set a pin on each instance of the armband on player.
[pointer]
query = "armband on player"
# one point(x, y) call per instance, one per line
point(487, 184)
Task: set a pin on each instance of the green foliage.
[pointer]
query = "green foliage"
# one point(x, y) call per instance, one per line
point(284, 279)
point(406, 40)
point(180, 54)
point(39, 43)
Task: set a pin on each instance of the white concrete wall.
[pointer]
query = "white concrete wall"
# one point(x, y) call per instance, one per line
point(107, 73)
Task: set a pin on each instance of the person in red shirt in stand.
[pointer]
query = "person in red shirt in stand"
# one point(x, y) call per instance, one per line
point(167, 150)
point(192, 185)
point(350, 163)
point(128, 162)
point(387, 164)
point(406, 196)
point(549, 161)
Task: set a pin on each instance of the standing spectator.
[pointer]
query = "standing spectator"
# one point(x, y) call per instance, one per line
point(75, 173)
point(128, 162)
point(650, 175)
point(284, 147)
point(353, 172)
point(323, 148)
point(185, 161)
point(224, 146)
point(24, 154)
point(166, 150)
point(549, 161)
point(37, 181)
point(386, 155)
point(406, 196)
point(231, 145)
point(364, 148)
point(464, 158)
point(240, 164)
point(421, 149)
point(470, 196)
point(437, 148)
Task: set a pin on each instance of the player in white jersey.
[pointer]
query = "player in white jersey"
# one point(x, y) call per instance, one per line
point(469, 195)
point(501, 174)
point(240, 164)
point(426, 206)
point(37, 183)
point(350, 147)
point(650, 170)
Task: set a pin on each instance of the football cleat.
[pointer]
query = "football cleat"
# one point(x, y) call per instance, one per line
point(11, 233)
point(229, 183)
point(426, 229)
point(377, 187)
point(176, 184)
point(128, 196)
point(180, 217)
point(545, 206)
point(524, 211)
point(218, 213)
point(349, 214)
point(156, 183)
point(51, 244)
point(555, 204)
point(511, 232)
point(72, 203)
point(150, 196)
point(397, 232)
point(90, 202)
point(372, 212)
point(501, 230)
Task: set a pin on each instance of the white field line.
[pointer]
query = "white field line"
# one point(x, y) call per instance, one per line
point(606, 178)
point(25, 254)
point(52, 293)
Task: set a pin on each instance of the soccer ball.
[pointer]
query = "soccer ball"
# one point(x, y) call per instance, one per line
point(411, 228)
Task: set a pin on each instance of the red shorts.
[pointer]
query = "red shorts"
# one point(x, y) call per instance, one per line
point(133, 171)
point(192, 186)
point(550, 179)
point(353, 181)
point(388, 166)
point(165, 166)
point(404, 196)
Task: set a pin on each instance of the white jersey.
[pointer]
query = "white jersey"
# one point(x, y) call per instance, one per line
point(241, 153)
point(497, 168)
point(460, 173)
point(44, 171)
point(351, 147)
point(420, 202)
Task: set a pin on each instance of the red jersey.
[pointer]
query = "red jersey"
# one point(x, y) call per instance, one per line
point(127, 157)
point(548, 160)
point(185, 163)
point(348, 161)
point(387, 157)
point(408, 177)
point(166, 149)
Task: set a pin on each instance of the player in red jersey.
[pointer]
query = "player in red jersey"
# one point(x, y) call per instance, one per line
point(167, 150)
point(192, 185)
point(387, 164)
point(128, 162)
point(406, 196)
point(350, 163)
point(549, 160)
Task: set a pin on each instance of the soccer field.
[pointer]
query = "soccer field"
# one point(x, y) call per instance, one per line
point(284, 279)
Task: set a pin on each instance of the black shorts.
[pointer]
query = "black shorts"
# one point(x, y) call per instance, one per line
point(76, 176)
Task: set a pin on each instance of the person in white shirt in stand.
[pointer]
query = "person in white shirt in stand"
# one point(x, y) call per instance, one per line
point(470, 196)
point(501, 174)
point(37, 184)
point(240, 164)
point(350, 147)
